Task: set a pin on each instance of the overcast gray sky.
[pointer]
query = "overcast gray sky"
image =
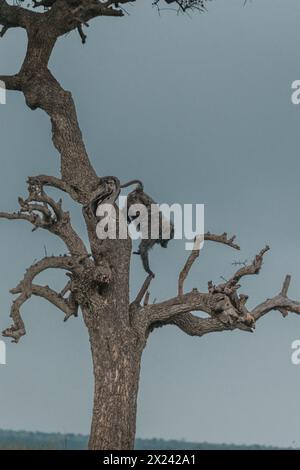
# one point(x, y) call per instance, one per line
point(199, 108)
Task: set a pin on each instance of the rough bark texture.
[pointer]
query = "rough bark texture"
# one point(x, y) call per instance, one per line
point(98, 283)
point(116, 358)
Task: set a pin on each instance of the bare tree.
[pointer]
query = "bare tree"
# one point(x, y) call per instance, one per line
point(98, 275)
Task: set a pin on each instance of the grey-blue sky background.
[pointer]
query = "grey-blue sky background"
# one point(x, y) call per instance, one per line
point(200, 109)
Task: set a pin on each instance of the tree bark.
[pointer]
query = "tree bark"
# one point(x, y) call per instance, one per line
point(116, 346)
point(116, 360)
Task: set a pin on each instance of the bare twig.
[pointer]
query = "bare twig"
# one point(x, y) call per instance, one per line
point(286, 286)
point(189, 263)
point(196, 251)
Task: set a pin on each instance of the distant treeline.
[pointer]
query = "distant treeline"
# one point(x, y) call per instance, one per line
point(38, 440)
point(54, 441)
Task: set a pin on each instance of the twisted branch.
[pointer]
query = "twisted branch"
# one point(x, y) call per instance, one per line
point(44, 212)
point(26, 289)
point(226, 308)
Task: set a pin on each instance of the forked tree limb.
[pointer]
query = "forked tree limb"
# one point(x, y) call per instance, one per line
point(26, 289)
point(280, 302)
point(68, 263)
point(44, 212)
point(196, 252)
point(52, 181)
point(170, 313)
point(222, 303)
point(17, 330)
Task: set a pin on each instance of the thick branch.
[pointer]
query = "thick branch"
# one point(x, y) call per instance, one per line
point(52, 181)
point(164, 311)
point(12, 16)
point(280, 302)
point(12, 82)
point(68, 306)
point(32, 218)
point(104, 9)
point(216, 305)
point(175, 312)
point(195, 326)
point(222, 303)
point(45, 92)
point(68, 263)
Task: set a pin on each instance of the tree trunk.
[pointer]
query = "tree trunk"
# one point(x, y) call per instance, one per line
point(116, 359)
point(116, 348)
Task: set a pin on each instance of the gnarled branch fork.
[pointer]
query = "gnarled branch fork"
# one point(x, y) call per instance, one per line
point(224, 306)
point(43, 212)
point(26, 289)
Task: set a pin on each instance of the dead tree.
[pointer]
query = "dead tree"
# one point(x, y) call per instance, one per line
point(98, 274)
